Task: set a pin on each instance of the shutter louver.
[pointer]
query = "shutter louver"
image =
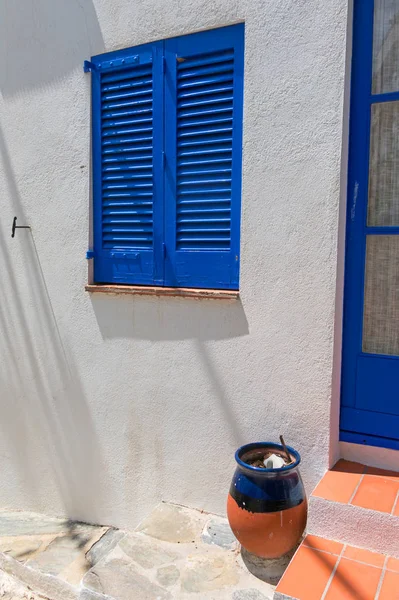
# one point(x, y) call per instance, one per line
point(204, 151)
point(127, 171)
point(124, 164)
point(203, 104)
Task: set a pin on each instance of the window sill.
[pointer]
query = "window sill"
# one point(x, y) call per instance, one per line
point(141, 290)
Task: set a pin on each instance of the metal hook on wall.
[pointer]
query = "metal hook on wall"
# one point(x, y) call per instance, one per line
point(15, 226)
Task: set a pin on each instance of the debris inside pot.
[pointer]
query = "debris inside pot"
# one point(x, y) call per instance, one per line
point(271, 459)
point(274, 462)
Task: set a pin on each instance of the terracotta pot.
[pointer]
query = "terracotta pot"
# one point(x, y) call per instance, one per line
point(267, 508)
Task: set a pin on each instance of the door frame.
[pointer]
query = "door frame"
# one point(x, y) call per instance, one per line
point(356, 213)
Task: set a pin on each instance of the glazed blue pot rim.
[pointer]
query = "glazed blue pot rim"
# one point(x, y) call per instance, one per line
point(271, 445)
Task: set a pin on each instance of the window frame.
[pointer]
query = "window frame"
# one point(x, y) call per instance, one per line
point(163, 242)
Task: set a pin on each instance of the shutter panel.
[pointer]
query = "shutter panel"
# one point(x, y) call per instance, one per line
point(127, 166)
point(203, 158)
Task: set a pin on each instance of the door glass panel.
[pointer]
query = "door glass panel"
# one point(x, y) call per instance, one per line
point(383, 204)
point(385, 46)
point(381, 295)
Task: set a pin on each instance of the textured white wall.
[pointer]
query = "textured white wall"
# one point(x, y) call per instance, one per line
point(109, 404)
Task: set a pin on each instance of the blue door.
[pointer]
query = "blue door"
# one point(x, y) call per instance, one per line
point(370, 379)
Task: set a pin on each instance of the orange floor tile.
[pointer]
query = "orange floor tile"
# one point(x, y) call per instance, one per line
point(377, 493)
point(354, 580)
point(393, 564)
point(319, 543)
point(390, 586)
point(308, 574)
point(340, 483)
point(382, 472)
point(326, 570)
point(356, 484)
point(365, 556)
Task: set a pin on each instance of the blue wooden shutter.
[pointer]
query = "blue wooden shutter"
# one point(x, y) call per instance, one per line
point(127, 96)
point(203, 136)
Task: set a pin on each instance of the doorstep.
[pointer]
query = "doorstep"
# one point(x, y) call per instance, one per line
point(351, 551)
point(324, 569)
point(357, 505)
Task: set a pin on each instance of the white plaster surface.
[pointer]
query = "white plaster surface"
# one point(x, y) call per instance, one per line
point(354, 525)
point(110, 404)
point(339, 304)
point(383, 458)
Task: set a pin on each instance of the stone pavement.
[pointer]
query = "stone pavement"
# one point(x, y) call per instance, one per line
point(175, 554)
point(11, 589)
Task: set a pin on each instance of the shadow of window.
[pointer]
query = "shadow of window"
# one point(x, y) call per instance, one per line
point(162, 319)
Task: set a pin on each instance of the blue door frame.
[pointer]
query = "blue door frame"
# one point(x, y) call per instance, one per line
point(370, 382)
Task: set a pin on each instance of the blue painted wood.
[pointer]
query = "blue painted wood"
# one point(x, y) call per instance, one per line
point(158, 165)
point(127, 138)
point(389, 97)
point(370, 423)
point(382, 230)
point(377, 384)
point(384, 356)
point(203, 133)
point(357, 196)
point(167, 152)
point(369, 382)
point(368, 440)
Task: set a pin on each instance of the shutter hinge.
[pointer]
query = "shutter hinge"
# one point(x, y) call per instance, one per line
point(88, 66)
point(163, 159)
point(164, 249)
point(90, 254)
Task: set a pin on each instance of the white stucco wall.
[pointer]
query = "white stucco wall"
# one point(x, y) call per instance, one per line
point(110, 404)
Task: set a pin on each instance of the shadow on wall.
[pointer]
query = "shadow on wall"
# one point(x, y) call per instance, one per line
point(42, 40)
point(44, 416)
point(174, 319)
point(168, 319)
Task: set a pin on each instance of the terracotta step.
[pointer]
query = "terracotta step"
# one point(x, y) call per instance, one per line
point(323, 569)
point(357, 505)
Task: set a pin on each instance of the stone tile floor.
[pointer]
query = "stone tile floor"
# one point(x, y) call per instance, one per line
point(11, 589)
point(175, 554)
